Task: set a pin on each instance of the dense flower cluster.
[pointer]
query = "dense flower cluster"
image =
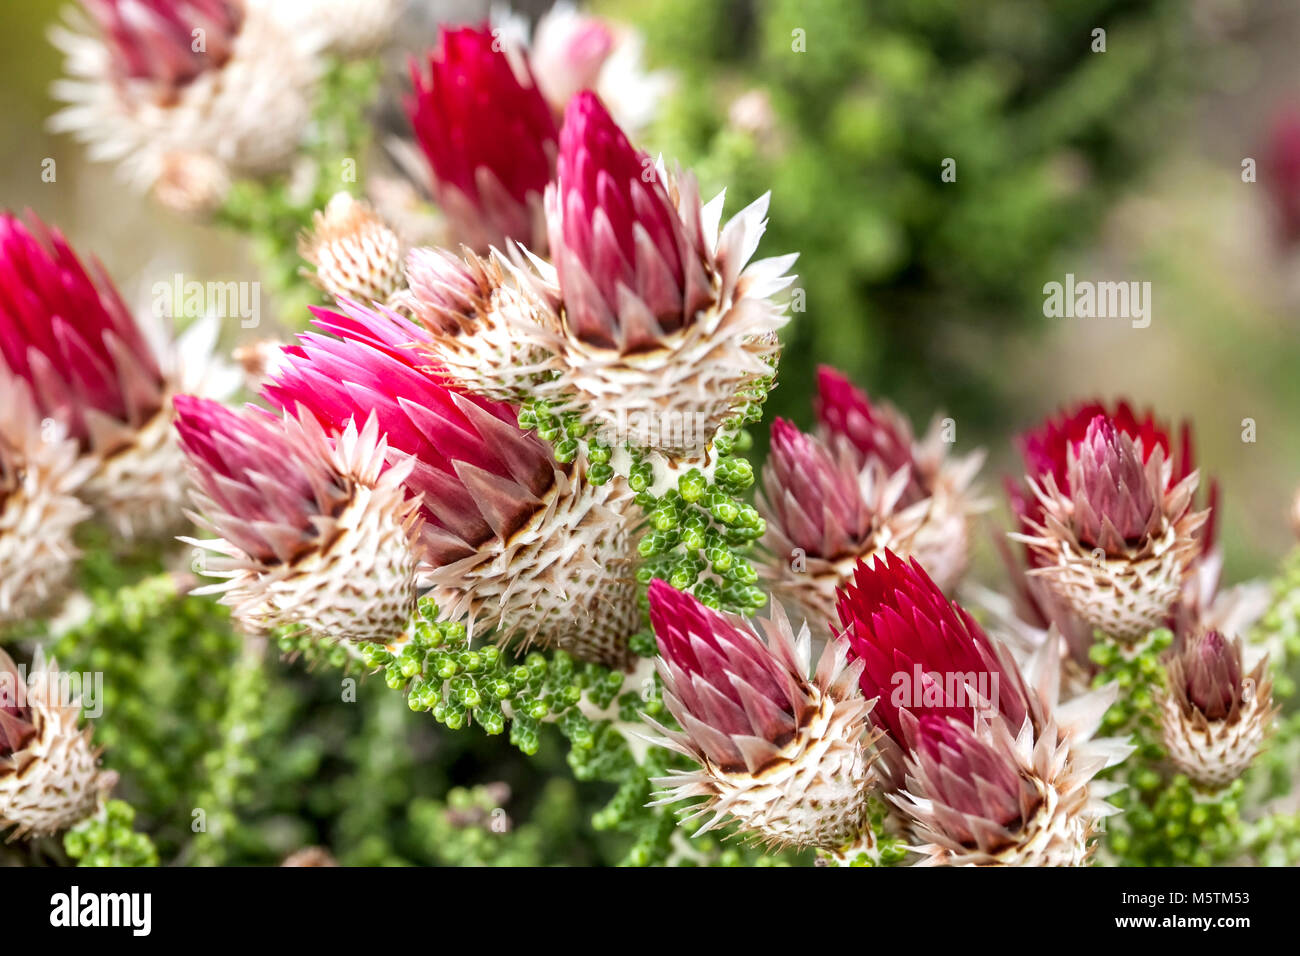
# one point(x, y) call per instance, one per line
point(508, 471)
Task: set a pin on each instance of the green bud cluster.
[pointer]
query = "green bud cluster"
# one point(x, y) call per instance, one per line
point(1172, 823)
point(1139, 673)
point(109, 839)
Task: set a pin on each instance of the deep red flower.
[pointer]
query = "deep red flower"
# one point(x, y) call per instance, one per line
point(487, 133)
point(923, 654)
point(69, 334)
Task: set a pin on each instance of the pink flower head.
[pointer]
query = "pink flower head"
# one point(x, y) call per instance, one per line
point(629, 268)
point(922, 653)
point(568, 54)
point(973, 784)
point(1046, 451)
point(268, 488)
point(813, 494)
point(877, 433)
point(68, 333)
point(168, 41)
point(487, 133)
point(724, 683)
point(480, 475)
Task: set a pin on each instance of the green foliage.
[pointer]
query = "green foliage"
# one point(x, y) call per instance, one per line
point(107, 839)
point(905, 273)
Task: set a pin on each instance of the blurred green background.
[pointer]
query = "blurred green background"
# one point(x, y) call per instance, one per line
point(1115, 165)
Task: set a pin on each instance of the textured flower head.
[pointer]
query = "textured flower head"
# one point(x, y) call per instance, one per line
point(168, 42)
point(922, 653)
point(356, 254)
point(309, 531)
point(979, 762)
point(630, 268)
point(480, 476)
point(49, 772)
point(778, 748)
point(508, 532)
point(67, 332)
point(187, 94)
point(1107, 517)
point(488, 135)
point(1216, 715)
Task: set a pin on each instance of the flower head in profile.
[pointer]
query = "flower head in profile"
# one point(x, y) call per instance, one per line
point(311, 530)
point(488, 136)
point(101, 376)
point(780, 748)
point(510, 536)
point(50, 776)
point(984, 766)
point(652, 326)
point(1216, 716)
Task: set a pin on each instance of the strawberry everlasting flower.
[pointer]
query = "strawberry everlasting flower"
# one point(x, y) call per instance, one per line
point(310, 531)
point(156, 39)
point(1109, 526)
point(923, 654)
point(1215, 716)
point(932, 489)
point(982, 766)
point(664, 322)
point(488, 136)
point(187, 94)
point(508, 532)
point(778, 749)
point(93, 372)
point(824, 511)
point(49, 772)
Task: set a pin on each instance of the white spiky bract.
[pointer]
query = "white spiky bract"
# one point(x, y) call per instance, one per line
point(809, 790)
point(248, 114)
point(53, 779)
point(566, 579)
point(40, 476)
point(355, 254)
point(354, 578)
